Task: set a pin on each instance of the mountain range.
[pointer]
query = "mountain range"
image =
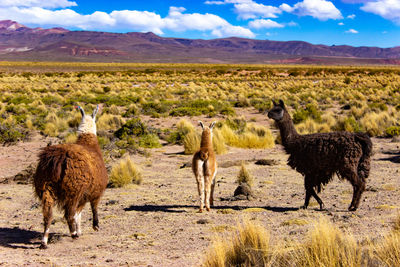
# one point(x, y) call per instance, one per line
point(18, 42)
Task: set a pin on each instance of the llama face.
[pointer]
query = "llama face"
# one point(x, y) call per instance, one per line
point(276, 113)
point(88, 123)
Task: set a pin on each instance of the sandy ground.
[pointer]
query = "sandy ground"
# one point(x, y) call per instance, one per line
point(157, 224)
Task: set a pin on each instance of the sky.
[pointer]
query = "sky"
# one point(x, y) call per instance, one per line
point(342, 22)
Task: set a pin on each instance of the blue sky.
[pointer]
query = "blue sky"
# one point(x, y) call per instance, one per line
point(351, 22)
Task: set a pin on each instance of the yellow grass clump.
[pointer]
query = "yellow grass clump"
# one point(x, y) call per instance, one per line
point(244, 176)
point(328, 246)
point(253, 136)
point(109, 122)
point(125, 172)
point(248, 246)
point(191, 142)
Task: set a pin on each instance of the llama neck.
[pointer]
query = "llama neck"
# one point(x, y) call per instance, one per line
point(206, 140)
point(89, 140)
point(287, 130)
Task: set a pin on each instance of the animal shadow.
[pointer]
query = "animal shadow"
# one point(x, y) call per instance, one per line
point(176, 208)
point(25, 239)
point(395, 158)
point(19, 238)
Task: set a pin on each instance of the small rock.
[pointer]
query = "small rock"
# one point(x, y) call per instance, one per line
point(112, 202)
point(203, 221)
point(34, 206)
point(269, 162)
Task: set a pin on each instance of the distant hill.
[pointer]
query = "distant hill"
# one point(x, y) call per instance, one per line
point(18, 42)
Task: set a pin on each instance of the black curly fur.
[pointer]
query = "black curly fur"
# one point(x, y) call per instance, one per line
point(319, 156)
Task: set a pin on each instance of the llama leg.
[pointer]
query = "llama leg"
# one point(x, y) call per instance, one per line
point(208, 185)
point(93, 204)
point(78, 223)
point(314, 194)
point(47, 209)
point(71, 217)
point(358, 189)
point(212, 192)
point(307, 200)
point(311, 192)
point(201, 193)
point(198, 169)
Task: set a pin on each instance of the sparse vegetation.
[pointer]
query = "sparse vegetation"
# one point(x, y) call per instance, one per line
point(325, 245)
point(125, 172)
point(244, 176)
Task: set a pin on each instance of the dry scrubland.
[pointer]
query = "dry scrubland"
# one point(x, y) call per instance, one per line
point(149, 117)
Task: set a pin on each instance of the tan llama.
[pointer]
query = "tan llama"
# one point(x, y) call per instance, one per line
point(205, 168)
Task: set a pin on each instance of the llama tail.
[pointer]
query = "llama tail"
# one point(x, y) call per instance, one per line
point(364, 163)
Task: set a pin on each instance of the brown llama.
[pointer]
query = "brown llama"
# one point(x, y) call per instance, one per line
point(205, 168)
point(319, 156)
point(70, 175)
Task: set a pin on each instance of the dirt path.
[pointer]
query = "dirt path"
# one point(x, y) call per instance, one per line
point(156, 224)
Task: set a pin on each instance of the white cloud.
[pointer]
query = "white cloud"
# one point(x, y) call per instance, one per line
point(352, 16)
point(37, 3)
point(134, 20)
point(264, 24)
point(340, 24)
point(253, 10)
point(351, 31)
point(292, 24)
point(285, 7)
point(230, 31)
point(387, 9)
point(319, 9)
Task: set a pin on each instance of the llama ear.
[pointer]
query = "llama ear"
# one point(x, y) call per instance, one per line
point(273, 102)
point(81, 110)
point(97, 110)
point(212, 125)
point(281, 103)
point(201, 124)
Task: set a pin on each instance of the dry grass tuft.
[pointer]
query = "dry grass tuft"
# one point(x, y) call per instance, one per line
point(328, 246)
point(248, 246)
point(244, 176)
point(125, 172)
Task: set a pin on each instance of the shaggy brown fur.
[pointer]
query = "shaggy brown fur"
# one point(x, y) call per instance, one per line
point(70, 175)
point(319, 156)
point(204, 164)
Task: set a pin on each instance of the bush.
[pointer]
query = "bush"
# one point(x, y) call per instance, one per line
point(11, 134)
point(191, 142)
point(244, 176)
point(149, 141)
point(133, 127)
point(248, 246)
point(311, 111)
point(124, 172)
point(392, 131)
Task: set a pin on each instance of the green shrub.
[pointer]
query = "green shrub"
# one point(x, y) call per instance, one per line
point(311, 111)
point(11, 134)
point(149, 141)
point(133, 127)
point(393, 131)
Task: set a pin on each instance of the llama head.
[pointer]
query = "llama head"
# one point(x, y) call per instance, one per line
point(88, 123)
point(207, 130)
point(277, 111)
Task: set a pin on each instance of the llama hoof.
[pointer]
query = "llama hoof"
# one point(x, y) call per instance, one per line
point(43, 246)
point(96, 227)
point(75, 236)
point(352, 208)
point(208, 209)
point(200, 211)
point(304, 207)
